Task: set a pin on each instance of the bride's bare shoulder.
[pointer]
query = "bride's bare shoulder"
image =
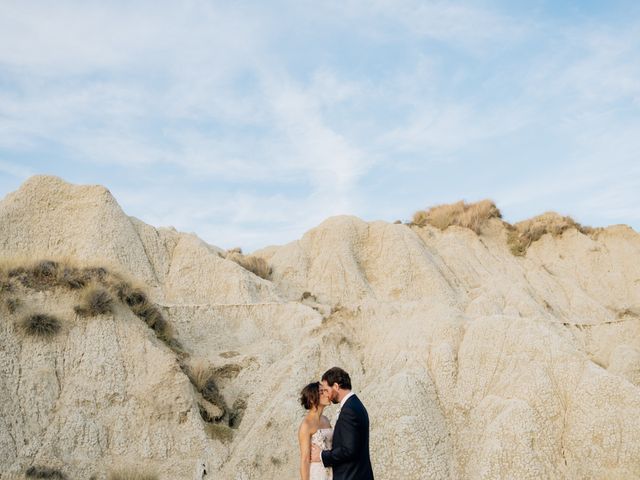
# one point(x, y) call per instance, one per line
point(305, 426)
point(308, 424)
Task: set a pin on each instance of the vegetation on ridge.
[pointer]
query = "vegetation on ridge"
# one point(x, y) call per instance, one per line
point(469, 215)
point(96, 301)
point(213, 408)
point(202, 377)
point(256, 265)
point(99, 286)
point(523, 234)
point(476, 215)
point(13, 304)
point(100, 290)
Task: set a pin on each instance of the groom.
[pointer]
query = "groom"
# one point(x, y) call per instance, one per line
point(349, 456)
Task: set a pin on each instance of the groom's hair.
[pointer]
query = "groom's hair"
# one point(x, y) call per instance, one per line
point(339, 376)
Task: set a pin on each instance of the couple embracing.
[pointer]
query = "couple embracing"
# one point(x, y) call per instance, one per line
point(341, 452)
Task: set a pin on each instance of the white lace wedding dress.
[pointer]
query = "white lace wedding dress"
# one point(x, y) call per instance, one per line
point(323, 439)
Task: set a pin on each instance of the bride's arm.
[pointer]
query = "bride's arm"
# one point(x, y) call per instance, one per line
point(304, 437)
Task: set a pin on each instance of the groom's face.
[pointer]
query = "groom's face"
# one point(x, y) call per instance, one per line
point(333, 391)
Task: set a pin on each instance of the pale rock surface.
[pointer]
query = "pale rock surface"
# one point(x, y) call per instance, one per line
point(199, 274)
point(103, 392)
point(473, 363)
point(48, 217)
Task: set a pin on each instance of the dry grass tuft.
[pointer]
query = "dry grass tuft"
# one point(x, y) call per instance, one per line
point(230, 370)
point(152, 316)
point(6, 286)
point(202, 376)
point(130, 474)
point(237, 412)
point(72, 278)
point(102, 285)
point(13, 304)
point(45, 271)
point(210, 412)
point(307, 296)
point(524, 233)
point(629, 312)
point(219, 431)
point(40, 325)
point(95, 273)
point(469, 215)
point(130, 295)
point(96, 301)
point(256, 265)
point(137, 300)
point(44, 472)
point(213, 408)
point(39, 275)
point(46, 274)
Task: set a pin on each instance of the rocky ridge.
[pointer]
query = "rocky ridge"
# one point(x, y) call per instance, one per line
point(473, 362)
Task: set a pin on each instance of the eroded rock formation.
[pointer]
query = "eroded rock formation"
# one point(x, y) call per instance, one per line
point(474, 363)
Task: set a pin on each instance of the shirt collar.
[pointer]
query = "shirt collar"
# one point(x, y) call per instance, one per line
point(346, 397)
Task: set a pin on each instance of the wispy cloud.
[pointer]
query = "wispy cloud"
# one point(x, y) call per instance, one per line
point(256, 122)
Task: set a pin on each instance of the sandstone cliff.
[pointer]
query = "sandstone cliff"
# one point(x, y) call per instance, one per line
point(472, 362)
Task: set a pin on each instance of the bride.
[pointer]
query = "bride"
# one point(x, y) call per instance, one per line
point(315, 429)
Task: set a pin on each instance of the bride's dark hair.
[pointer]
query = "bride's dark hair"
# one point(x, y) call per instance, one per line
point(310, 395)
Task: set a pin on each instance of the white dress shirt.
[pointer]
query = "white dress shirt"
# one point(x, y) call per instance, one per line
point(342, 402)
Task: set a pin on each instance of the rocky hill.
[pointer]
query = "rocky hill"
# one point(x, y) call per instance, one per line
point(125, 347)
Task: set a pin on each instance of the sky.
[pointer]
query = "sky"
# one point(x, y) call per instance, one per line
point(251, 122)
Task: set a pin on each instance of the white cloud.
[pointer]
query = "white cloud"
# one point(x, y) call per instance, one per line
point(447, 128)
point(72, 38)
point(332, 162)
point(207, 90)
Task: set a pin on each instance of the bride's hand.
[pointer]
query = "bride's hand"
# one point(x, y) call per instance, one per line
point(316, 453)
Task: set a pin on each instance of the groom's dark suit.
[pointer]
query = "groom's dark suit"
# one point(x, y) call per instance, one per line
point(349, 456)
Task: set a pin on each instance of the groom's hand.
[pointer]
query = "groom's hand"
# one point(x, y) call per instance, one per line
point(316, 454)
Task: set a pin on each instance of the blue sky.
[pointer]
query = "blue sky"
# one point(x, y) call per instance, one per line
point(250, 122)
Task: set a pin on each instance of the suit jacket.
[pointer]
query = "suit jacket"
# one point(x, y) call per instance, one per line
point(349, 456)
